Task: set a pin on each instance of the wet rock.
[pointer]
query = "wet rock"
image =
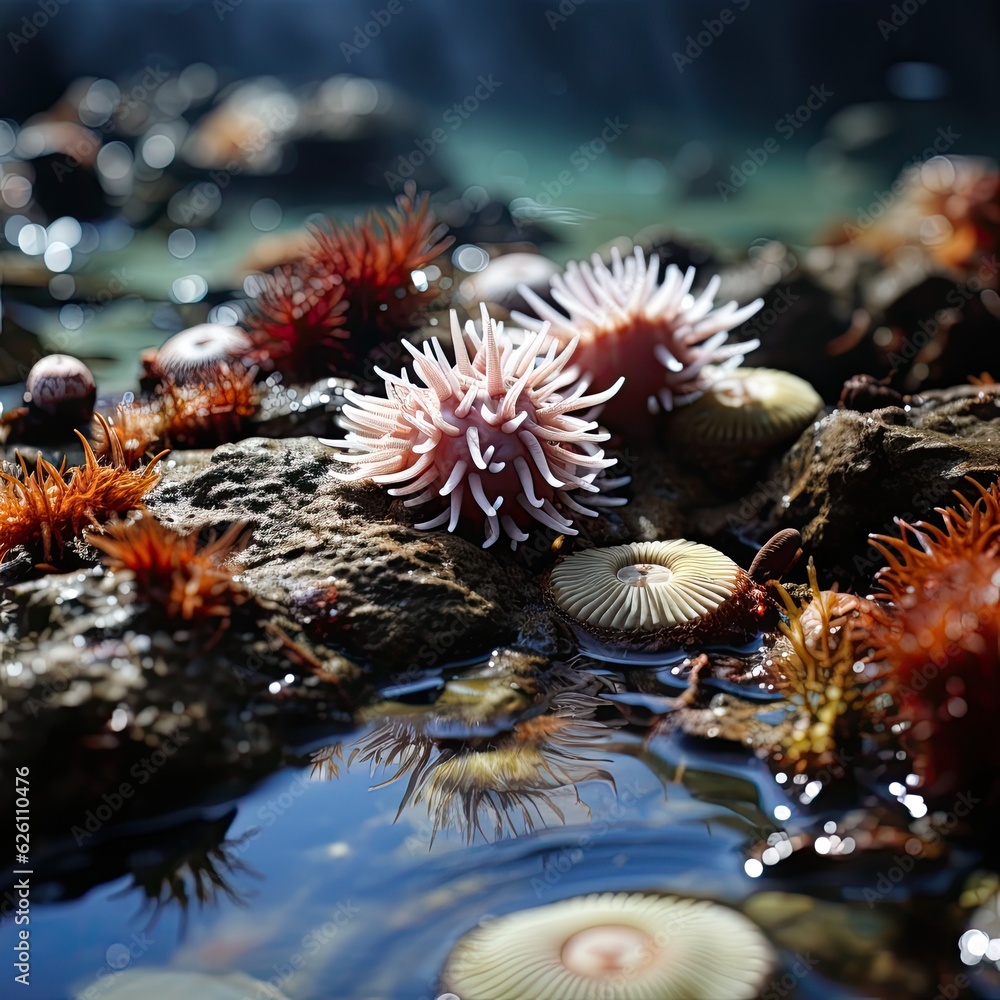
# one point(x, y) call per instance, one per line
point(852, 473)
point(346, 561)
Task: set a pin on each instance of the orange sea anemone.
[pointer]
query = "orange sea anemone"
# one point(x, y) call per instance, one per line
point(172, 573)
point(943, 640)
point(191, 416)
point(46, 509)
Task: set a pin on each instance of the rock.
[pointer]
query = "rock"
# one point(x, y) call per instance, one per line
point(851, 473)
point(345, 560)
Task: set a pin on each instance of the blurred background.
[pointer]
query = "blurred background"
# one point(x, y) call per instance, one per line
point(185, 138)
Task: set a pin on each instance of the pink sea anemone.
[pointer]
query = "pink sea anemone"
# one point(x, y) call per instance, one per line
point(492, 434)
point(665, 341)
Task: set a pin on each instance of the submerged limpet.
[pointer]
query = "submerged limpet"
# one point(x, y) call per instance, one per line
point(200, 353)
point(610, 945)
point(659, 594)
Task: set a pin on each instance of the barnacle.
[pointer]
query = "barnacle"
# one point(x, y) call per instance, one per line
point(46, 509)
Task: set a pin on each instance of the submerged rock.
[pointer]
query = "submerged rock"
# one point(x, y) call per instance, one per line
point(345, 561)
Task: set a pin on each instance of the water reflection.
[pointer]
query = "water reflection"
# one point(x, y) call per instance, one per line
point(193, 865)
point(483, 781)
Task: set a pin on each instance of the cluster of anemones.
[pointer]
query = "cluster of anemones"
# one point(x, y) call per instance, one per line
point(942, 642)
point(46, 509)
point(196, 415)
point(491, 438)
point(350, 290)
point(669, 343)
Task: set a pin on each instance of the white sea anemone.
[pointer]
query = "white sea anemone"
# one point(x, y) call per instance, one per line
point(657, 334)
point(491, 437)
point(613, 946)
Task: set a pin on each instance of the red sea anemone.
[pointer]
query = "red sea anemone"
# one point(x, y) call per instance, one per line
point(943, 640)
point(46, 509)
point(491, 433)
point(376, 258)
point(298, 321)
point(173, 574)
point(352, 289)
point(661, 338)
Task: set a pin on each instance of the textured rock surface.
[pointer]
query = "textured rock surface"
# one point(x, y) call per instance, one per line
point(345, 559)
point(852, 473)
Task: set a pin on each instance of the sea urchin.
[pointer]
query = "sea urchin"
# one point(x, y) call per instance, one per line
point(491, 433)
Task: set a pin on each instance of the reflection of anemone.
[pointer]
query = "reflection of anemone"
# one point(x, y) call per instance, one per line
point(46, 509)
point(658, 335)
point(173, 575)
point(193, 415)
point(943, 640)
point(197, 868)
point(613, 946)
point(818, 667)
point(659, 594)
point(491, 438)
point(493, 785)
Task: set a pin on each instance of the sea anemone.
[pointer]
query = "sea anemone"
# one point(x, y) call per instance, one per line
point(196, 355)
point(613, 945)
point(666, 342)
point(819, 666)
point(173, 574)
point(49, 507)
point(194, 415)
point(948, 206)
point(746, 411)
point(493, 434)
point(59, 394)
point(297, 322)
point(659, 595)
point(942, 642)
point(375, 258)
point(500, 783)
